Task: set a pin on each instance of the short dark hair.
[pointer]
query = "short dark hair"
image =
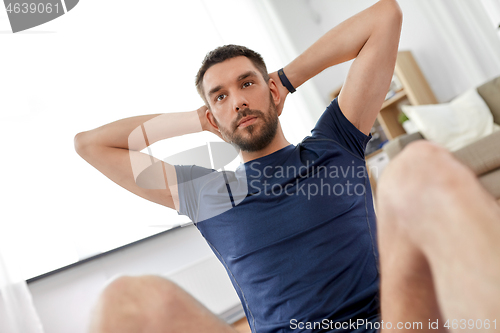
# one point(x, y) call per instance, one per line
point(223, 53)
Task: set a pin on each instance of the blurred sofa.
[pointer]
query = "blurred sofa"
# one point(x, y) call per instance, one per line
point(483, 155)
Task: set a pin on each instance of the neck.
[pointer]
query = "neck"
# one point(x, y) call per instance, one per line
point(279, 142)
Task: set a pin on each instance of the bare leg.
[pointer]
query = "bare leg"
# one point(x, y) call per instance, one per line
point(151, 304)
point(438, 240)
point(407, 289)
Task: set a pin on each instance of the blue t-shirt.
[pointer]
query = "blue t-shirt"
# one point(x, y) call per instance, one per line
point(295, 230)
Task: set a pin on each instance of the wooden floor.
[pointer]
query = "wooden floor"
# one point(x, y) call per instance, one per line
point(242, 326)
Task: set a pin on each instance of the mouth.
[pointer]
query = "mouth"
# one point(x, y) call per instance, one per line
point(247, 121)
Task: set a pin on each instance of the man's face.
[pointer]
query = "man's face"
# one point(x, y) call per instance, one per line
point(235, 89)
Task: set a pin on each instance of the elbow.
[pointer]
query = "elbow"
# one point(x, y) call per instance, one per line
point(79, 142)
point(76, 141)
point(390, 16)
point(395, 12)
point(392, 11)
point(399, 14)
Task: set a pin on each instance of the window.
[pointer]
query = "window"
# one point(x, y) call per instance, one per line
point(97, 64)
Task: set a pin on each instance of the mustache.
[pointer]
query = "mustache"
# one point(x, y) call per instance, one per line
point(248, 112)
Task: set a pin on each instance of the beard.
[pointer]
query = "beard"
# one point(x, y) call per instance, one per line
point(253, 137)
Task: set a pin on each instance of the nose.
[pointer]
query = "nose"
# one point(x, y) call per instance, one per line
point(242, 106)
point(240, 102)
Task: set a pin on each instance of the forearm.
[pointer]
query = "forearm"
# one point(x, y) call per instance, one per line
point(343, 42)
point(136, 133)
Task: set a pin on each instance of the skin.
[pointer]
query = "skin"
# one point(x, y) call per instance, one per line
point(237, 98)
point(438, 240)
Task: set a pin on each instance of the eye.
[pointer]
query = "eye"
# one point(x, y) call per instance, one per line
point(247, 84)
point(219, 97)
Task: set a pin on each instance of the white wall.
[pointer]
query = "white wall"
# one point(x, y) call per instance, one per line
point(307, 20)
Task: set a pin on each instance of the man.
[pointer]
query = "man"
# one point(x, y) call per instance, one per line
point(298, 259)
point(299, 243)
point(299, 246)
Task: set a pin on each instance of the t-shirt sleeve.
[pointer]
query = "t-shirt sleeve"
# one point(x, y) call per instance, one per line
point(335, 126)
point(190, 182)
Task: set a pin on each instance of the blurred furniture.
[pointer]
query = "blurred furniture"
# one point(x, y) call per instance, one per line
point(483, 155)
point(416, 91)
point(376, 163)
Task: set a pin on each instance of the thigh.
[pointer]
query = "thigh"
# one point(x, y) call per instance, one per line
point(406, 286)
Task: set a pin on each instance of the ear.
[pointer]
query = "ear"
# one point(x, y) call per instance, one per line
point(211, 119)
point(275, 92)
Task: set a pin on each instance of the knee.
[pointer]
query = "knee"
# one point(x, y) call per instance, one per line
point(139, 294)
point(423, 165)
point(128, 304)
point(423, 148)
point(420, 184)
point(423, 157)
